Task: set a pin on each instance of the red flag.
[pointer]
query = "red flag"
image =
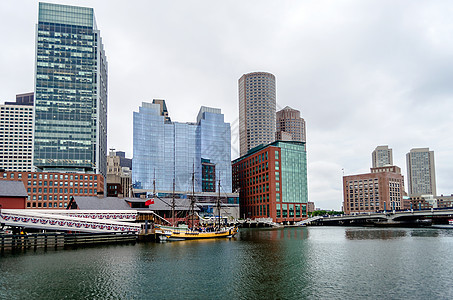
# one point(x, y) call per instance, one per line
point(149, 202)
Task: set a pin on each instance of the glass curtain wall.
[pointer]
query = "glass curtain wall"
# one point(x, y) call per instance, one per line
point(71, 91)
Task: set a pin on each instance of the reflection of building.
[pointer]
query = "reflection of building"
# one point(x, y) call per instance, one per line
point(16, 134)
point(421, 177)
point(119, 176)
point(272, 181)
point(54, 190)
point(70, 130)
point(257, 100)
point(290, 122)
point(382, 189)
point(165, 151)
point(208, 176)
point(382, 156)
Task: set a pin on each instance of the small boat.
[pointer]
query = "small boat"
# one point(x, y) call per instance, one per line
point(444, 226)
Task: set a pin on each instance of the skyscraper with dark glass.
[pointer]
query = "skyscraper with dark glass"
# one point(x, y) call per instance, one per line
point(70, 125)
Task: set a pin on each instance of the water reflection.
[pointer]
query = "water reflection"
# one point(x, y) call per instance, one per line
point(425, 233)
point(290, 263)
point(374, 234)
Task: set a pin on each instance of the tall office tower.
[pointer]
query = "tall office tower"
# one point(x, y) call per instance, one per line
point(382, 156)
point(290, 125)
point(70, 133)
point(421, 177)
point(163, 151)
point(16, 134)
point(256, 110)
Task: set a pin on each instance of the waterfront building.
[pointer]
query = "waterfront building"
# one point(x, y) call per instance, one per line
point(119, 175)
point(12, 195)
point(16, 134)
point(257, 101)
point(290, 122)
point(382, 156)
point(70, 126)
point(54, 190)
point(382, 189)
point(165, 151)
point(272, 182)
point(421, 176)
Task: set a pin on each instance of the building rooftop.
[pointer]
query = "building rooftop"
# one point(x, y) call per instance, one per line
point(12, 188)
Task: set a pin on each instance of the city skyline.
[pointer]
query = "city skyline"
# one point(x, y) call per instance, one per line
point(343, 66)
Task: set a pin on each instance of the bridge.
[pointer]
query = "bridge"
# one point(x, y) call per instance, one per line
point(389, 217)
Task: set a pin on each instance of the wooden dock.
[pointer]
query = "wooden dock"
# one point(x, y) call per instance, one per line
point(18, 242)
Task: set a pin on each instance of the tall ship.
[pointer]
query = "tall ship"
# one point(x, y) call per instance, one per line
point(195, 230)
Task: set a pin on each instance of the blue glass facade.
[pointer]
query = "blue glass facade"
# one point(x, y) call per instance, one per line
point(70, 126)
point(164, 150)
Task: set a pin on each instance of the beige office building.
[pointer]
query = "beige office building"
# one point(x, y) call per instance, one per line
point(382, 156)
point(421, 175)
point(257, 101)
point(290, 125)
point(16, 134)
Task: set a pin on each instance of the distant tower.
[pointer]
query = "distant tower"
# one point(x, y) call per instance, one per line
point(421, 177)
point(290, 122)
point(257, 102)
point(382, 156)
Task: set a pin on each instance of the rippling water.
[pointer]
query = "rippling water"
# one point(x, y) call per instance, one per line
point(291, 263)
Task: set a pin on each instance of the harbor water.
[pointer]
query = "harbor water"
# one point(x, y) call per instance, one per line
point(290, 263)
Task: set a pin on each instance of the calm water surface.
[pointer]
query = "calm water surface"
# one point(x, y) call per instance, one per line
point(291, 263)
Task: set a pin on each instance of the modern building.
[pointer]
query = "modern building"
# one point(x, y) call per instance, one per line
point(272, 182)
point(380, 190)
point(70, 125)
point(119, 177)
point(16, 134)
point(382, 156)
point(54, 190)
point(257, 101)
point(165, 151)
point(290, 122)
point(421, 176)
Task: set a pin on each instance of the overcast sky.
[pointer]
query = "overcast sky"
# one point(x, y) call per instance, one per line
point(362, 73)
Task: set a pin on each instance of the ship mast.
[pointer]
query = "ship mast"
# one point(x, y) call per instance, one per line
point(218, 204)
point(192, 202)
point(154, 184)
point(173, 204)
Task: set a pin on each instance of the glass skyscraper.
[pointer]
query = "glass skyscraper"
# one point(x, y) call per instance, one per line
point(165, 150)
point(70, 125)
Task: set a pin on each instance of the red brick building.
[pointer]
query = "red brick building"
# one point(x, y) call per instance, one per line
point(382, 189)
point(53, 190)
point(272, 182)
